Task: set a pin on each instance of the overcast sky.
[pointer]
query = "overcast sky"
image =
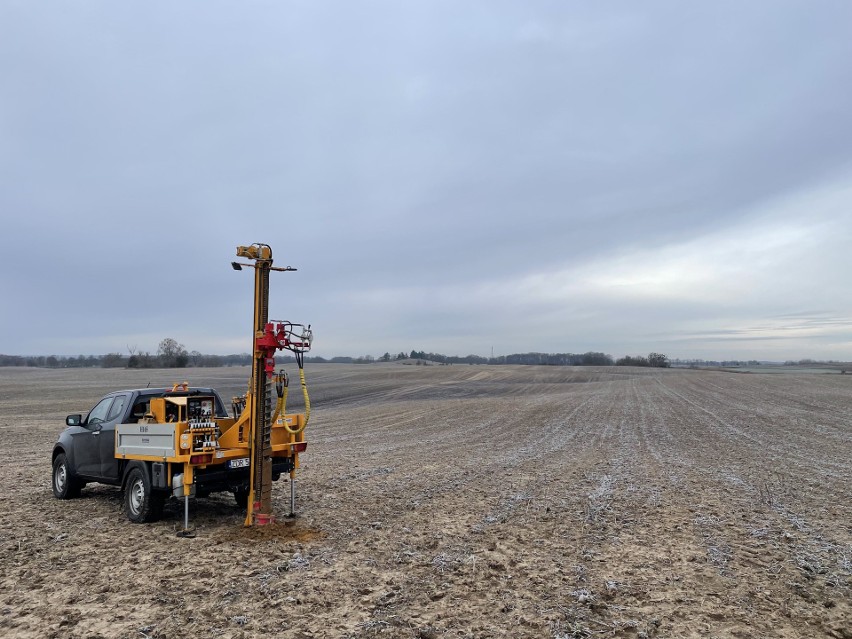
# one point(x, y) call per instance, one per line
point(449, 176)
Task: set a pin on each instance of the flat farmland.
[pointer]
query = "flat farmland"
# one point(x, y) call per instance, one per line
point(461, 501)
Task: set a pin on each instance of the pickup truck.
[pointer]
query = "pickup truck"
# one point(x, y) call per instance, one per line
point(87, 451)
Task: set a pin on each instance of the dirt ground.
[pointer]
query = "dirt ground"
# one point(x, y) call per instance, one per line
point(461, 501)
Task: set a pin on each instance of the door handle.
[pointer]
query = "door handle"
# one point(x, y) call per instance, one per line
point(96, 433)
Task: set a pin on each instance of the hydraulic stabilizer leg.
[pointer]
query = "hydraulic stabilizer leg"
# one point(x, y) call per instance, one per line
point(292, 493)
point(186, 532)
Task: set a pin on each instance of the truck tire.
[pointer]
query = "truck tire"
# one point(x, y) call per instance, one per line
point(142, 504)
point(64, 485)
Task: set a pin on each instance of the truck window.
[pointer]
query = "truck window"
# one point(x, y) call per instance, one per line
point(139, 410)
point(99, 412)
point(220, 407)
point(117, 408)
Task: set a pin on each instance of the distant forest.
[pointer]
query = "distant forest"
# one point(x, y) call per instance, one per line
point(174, 355)
point(171, 354)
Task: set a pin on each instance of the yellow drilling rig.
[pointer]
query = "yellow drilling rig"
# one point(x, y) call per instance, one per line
point(179, 440)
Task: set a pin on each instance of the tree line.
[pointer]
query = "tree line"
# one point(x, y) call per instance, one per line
point(172, 354)
point(654, 360)
point(590, 358)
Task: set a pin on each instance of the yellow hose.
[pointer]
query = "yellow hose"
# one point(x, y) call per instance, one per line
point(305, 392)
point(279, 407)
point(283, 400)
point(281, 403)
point(296, 431)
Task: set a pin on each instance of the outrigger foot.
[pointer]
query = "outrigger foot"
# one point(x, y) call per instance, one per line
point(186, 533)
point(292, 514)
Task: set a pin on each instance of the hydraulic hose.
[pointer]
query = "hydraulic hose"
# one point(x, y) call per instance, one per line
point(299, 429)
point(281, 387)
point(305, 393)
point(283, 400)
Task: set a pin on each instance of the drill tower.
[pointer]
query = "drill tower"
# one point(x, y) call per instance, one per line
point(266, 339)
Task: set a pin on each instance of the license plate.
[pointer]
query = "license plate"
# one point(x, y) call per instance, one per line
point(239, 463)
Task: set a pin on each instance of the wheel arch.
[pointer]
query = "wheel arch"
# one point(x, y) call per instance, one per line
point(70, 462)
point(135, 463)
point(65, 446)
point(58, 450)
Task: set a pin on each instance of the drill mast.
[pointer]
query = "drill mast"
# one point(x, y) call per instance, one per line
point(266, 339)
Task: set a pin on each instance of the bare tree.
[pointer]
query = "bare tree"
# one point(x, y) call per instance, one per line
point(658, 360)
point(172, 354)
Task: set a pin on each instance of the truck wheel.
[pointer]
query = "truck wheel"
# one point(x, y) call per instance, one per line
point(141, 503)
point(241, 497)
point(64, 485)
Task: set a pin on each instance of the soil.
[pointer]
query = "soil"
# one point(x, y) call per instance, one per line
point(460, 501)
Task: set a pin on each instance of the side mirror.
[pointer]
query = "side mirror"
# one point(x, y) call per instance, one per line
point(73, 420)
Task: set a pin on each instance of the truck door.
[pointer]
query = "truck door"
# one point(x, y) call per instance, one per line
point(108, 462)
point(87, 441)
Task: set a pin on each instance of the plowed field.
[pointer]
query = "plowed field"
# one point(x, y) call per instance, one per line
point(461, 501)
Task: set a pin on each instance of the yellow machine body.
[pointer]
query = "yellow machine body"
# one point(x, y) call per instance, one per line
point(199, 447)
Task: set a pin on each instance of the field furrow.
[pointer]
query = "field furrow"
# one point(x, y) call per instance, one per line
point(461, 501)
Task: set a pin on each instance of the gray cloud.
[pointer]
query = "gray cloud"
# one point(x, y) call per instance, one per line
point(446, 176)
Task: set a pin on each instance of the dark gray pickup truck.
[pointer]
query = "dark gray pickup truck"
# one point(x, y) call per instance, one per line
point(85, 452)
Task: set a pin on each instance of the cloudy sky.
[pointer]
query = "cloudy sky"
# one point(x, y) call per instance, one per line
point(448, 176)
